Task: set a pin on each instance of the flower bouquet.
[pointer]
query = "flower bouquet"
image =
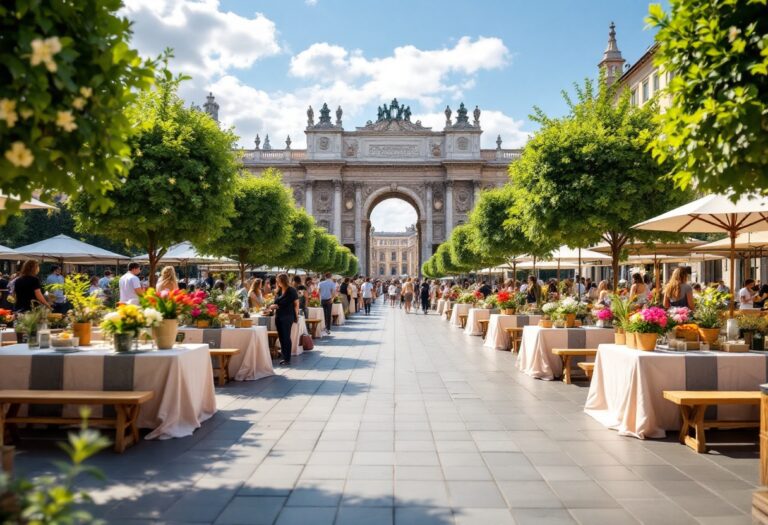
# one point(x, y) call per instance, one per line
point(710, 306)
point(647, 325)
point(506, 302)
point(491, 302)
point(749, 326)
point(125, 323)
point(478, 296)
point(548, 311)
point(86, 307)
point(467, 298)
point(567, 310)
point(314, 299)
point(27, 325)
point(604, 316)
point(6, 317)
point(679, 316)
point(204, 315)
point(170, 305)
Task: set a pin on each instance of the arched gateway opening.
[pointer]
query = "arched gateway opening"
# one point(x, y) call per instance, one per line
point(393, 234)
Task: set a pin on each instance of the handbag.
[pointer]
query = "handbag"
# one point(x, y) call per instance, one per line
point(306, 342)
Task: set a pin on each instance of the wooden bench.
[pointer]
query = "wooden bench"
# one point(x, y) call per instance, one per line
point(588, 368)
point(515, 334)
point(760, 507)
point(463, 320)
point(449, 313)
point(312, 325)
point(272, 337)
point(693, 405)
point(224, 355)
point(483, 326)
point(335, 319)
point(567, 355)
point(126, 404)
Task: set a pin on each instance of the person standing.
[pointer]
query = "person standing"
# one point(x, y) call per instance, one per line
point(678, 292)
point(27, 288)
point(367, 292)
point(130, 285)
point(408, 295)
point(747, 295)
point(392, 292)
point(327, 290)
point(104, 281)
point(168, 280)
point(352, 297)
point(286, 306)
point(59, 301)
point(425, 291)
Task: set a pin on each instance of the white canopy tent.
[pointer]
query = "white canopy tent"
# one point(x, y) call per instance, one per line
point(184, 253)
point(31, 204)
point(9, 254)
point(65, 249)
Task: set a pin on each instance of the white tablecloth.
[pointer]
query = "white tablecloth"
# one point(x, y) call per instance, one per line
point(536, 358)
point(475, 315)
point(627, 385)
point(497, 337)
point(338, 309)
point(181, 378)
point(442, 304)
point(459, 309)
point(299, 329)
point(253, 362)
point(316, 312)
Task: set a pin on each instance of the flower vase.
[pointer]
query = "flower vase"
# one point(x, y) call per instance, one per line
point(570, 320)
point(202, 323)
point(646, 341)
point(32, 340)
point(165, 333)
point(619, 336)
point(600, 323)
point(508, 311)
point(709, 335)
point(83, 332)
point(631, 343)
point(545, 323)
point(123, 342)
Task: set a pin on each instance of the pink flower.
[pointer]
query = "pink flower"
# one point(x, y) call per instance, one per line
point(604, 314)
point(195, 312)
point(164, 294)
point(654, 315)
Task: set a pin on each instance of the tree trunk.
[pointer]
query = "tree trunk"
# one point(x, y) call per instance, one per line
point(152, 254)
point(241, 265)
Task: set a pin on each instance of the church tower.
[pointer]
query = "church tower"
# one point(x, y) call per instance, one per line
point(211, 107)
point(612, 62)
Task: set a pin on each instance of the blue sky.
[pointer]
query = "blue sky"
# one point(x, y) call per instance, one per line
point(266, 61)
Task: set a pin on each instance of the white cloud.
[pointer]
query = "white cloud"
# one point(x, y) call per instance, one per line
point(393, 215)
point(207, 42)
point(311, 2)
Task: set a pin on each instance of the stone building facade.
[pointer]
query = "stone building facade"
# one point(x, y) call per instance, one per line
point(394, 254)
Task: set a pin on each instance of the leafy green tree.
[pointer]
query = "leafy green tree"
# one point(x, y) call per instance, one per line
point(716, 131)
point(181, 184)
point(322, 251)
point(301, 243)
point(341, 259)
point(443, 261)
point(463, 250)
point(588, 176)
point(354, 264)
point(67, 76)
point(261, 225)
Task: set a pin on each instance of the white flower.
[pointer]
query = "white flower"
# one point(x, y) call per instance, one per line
point(66, 121)
point(112, 316)
point(8, 111)
point(19, 155)
point(548, 308)
point(569, 302)
point(78, 103)
point(152, 317)
point(43, 51)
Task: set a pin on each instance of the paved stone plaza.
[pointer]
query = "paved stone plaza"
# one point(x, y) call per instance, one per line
point(405, 420)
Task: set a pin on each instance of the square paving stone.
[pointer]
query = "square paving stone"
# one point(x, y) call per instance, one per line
point(421, 494)
point(251, 511)
point(316, 493)
point(483, 517)
point(603, 516)
point(368, 493)
point(535, 494)
point(306, 515)
point(423, 516)
point(475, 494)
point(363, 516)
point(525, 516)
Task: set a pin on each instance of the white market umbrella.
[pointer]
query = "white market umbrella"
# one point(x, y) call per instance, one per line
point(185, 253)
point(9, 254)
point(67, 249)
point(31, 204)
point(715, 214)
point(746, 241)
point(547, 265)
point(564, 254)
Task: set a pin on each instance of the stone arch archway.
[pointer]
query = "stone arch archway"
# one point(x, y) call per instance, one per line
point(375, 198)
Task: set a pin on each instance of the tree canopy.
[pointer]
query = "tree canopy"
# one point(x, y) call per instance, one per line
point(67, 76)
point(716, 131)
point(588, 176)
point(462, 248)
point(181, 184)
point(299, 246)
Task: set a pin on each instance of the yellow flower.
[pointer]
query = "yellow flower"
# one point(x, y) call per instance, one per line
point(8, 111)
point(43, 51)
point(78, 103)
point(66, 121)
point(172, 181)
point(26, 113)
point(86, 92)
point(19, 155)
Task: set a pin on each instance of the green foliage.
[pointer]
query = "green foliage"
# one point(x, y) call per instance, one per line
point(352, 269)
point(462, 249)
point(53, 499)
point(709, 307)
point(181, 184)
point(716, 131)
point(341, 259)
point(298, 248)
point(322, 251)
point(85, 306)
point(426, 269)
point(587, 176)
point(66, 76)
point(261, 225)
point(443, 262)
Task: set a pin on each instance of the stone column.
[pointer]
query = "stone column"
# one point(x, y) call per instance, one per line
point(359, 226)
point(426, 229)
point(308, 197)
point(337, 209)
point(448, 209)
point(366, 265)
point(477, 187)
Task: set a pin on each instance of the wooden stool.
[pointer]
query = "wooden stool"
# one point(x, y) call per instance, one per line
point(312, 325)
point(515, 334)
point(693, 406)
point(224, 355)
point(335, 319)
point(448, 313)
point(273, 338)
point(588, 368)
point(567, 354)
point(463, 320)
point(483, 326)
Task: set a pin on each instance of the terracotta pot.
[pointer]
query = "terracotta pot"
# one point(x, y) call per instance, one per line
point(6, 459)
point(246, 323)
point(570, 320)
point(619, 337)
point(545, 323)
point(631, 340)
point(709, 335)
point(508, 311)
point(687, 335)
point(83, 332)
point(165, 334)
point(202, 323)
point(646, 342)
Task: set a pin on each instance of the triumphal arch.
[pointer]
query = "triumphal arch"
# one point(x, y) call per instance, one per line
point(342, 175)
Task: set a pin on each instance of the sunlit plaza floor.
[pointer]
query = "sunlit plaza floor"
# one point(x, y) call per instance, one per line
point(402, 419)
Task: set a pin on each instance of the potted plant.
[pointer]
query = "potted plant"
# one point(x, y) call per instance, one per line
point(506, 302)
point(203, 315)
point(314, 299)
point(85, 307)
point(170, 305)
point(604, 316)
point(124, 324)
point(621, 308)
point(28, 324)
point(678, 316)
point(710, 306)
point(6, 317)
point(568, 308)
point(490, 302)
point(647, 325)
point(547, 310)
point(749, 325)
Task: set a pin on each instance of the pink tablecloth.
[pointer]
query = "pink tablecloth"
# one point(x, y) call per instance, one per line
point(338, 310)
point(253, 361)
point(182, 380)
point(627, 385)
point(536, 358)
point(442, 304)
point(316, 312)
point(459, 309)
point(475, 315)
point(497, 337)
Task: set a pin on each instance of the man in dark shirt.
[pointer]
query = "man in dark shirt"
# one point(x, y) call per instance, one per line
point(485, 289)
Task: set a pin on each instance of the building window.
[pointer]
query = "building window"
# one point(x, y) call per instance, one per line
point(645, 91)
point(655, 82)
point(381, 257)
point(394, 256)
point(405, 269)
point(633, 97)
point(394, 271)
point(381, 270)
